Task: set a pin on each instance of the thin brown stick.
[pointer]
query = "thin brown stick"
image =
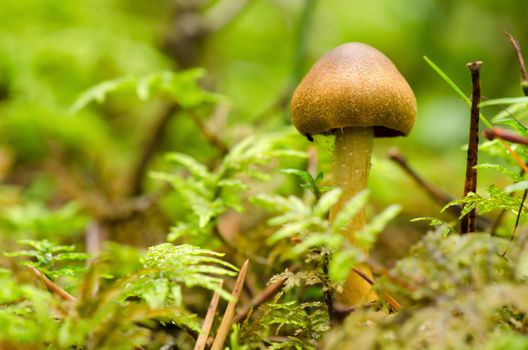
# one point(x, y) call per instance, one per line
point(157, 134)
point(149, 150)
point(363, 275)
point(524, 87)
point(514, 155)
point(208, 135)
point(227, 320)
point(392, 302)
point(520, 59)
point(517, 219)
point(184, 44)
point(497, 222)
point(280, 102)
point(261, 298)
point(218, 19)
point(52, 286)
point(201, 342)
point(521, 206)
point(438, 195)
point(514, 138)
point(435, 193)
point(501, 133)
point(381, 270)
point(504, 134)
point(327, 292)
point(468, 222)
point(341, 311)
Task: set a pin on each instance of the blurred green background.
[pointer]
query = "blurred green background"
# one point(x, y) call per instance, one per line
point(254, 51)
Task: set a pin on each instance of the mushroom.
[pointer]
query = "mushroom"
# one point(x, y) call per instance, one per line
point(356, 93)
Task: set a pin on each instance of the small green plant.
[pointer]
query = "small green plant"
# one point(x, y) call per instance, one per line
point(53, 260)
point(309, 182)
point(104, 312)
point(210, 193)
point(287, 325)
point(152, 152)
point(181, 87)
point(34, 221)
point(308, 225)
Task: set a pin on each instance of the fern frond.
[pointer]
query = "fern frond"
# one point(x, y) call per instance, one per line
point(189, 266)
point(181, 87)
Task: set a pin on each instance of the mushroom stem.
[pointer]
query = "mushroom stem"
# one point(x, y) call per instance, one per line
point(353, 148)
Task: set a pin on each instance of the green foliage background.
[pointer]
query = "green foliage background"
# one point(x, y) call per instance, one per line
point(85, 84)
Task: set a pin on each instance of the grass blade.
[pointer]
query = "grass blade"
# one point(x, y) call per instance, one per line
point(454, 87)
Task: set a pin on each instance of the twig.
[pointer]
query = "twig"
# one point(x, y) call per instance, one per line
point(201, 342)
point(191, 26)
point(150, 148)
point(380, 270)
point(302, 40)
point(522, 65)
point(468, 222)
point(227, 320)
point(497, 222)
point(155, 138)
point(327, 292)
point(521, 206)
point(363, 275)
point(392, 302)
point(280, 102)
point(184, 41)
point(261, 298)
point(52, 286)
point(513, 235)
point(341, 311)
point(209, 136)
point(223, 14)
point(524, 88)
point(501, 133)
point(434, 192)
point(225, 241)
point(279, 339)
point(514, 155)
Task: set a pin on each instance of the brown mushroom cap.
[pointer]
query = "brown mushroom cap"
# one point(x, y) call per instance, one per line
point(354, 85)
